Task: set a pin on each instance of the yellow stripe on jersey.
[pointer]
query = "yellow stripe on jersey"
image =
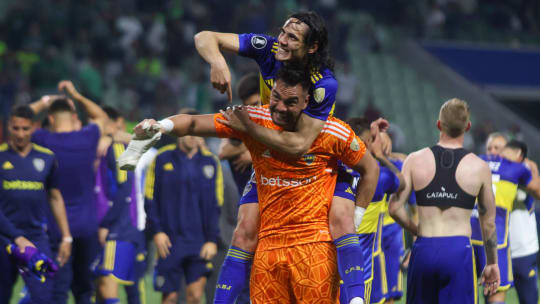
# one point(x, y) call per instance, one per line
point(387, 218)
point(42, 149)
point(121, 175)
point(264, 90)
point(220, 192)
point(151, 173)
point(370, 220)
point(505, 193)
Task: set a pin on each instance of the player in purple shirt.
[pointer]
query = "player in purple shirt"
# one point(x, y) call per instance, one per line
point(76, 153)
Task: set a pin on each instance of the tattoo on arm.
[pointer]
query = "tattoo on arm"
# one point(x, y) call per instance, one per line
point(491, 242)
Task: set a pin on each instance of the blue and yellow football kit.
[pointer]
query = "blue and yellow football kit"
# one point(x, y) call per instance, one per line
point(183, 199)
point(23, 201)
point(393, 246)
point(506, 176)
point(118, 257)
point(369, 232)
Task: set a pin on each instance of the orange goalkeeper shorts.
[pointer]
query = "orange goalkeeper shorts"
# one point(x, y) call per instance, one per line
point(297, 274)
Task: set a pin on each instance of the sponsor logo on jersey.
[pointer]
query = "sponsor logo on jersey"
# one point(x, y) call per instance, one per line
point(7, 165)
point(22, 185)
point(318, 95)
point(258, 42)
point(286, 182)
point(494, 166)
point(39, 164)
point(442, 194)
point(208, 171)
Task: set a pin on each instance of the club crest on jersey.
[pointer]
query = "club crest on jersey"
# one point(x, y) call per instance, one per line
point(318, 94)
point(160, 280)
point(39, 164)
point(309, 158)
point(355, 146)
point(258, 42)
point(208, 171)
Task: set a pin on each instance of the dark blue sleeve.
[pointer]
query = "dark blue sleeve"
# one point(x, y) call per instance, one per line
point(323, 97)
point(118, 188)
point(212, 199)
point(52, 178)
point(256, 46)
point(7, 229)
point(151, 198)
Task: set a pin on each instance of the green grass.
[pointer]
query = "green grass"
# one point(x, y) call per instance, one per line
point(154, 297)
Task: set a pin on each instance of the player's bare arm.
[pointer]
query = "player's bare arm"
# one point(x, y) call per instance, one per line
point(369, 170)
point(209, 45)
point(43, 103)
point(94, 111)
point(58, 209)
point(295, 143)
point(533, 188)
point(396, 205)
point(229, 149)
point(377, 149)
point(486, 211)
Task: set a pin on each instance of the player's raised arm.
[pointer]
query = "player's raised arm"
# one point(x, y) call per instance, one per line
point(396, 205)
point(295, 143)
point(209, 45)
point(94, 111)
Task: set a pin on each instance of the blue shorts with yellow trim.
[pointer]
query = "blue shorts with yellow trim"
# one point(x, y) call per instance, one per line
point(393, 249)
point(118, 259)
point(442, 270)
point(180, 263)
point(504, 261)
point(344, 187)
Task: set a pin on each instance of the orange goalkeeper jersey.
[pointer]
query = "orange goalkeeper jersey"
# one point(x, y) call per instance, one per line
point(295, 193)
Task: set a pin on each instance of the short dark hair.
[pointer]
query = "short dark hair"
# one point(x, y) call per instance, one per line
point(60, 105)
point(23, 111)
point(359, 124)
point(111, 112)
point(518, 145)
point(293, 75)
point(248, 85)
point(316, 34)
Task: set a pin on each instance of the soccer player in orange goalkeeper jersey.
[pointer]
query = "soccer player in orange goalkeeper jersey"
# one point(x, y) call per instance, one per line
point(295, 260)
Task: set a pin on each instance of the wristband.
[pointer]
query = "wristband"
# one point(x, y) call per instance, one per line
point(166, 124)
point(358, 215)
point(67, 239)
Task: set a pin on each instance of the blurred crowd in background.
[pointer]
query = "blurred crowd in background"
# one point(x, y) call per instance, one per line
point(139, 55)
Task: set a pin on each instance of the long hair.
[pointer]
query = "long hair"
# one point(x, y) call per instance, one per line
point(317, 34)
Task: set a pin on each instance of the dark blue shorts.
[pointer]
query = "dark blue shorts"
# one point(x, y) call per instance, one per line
point(525, 278)
point(118, 260)
point(442, 270)
point(393, 249)
point(250, 191)
point(169, 271)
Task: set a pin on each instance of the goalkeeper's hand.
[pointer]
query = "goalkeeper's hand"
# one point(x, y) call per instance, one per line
point(31, 262)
